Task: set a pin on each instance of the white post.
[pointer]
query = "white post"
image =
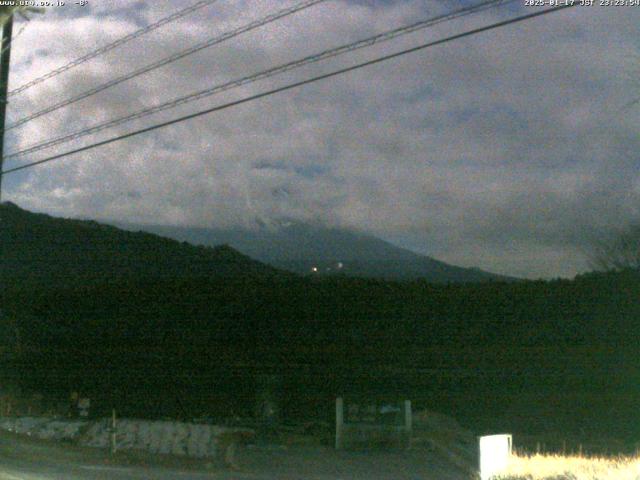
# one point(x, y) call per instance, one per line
point(339, 421)
point(408, 422)
point(113, 432)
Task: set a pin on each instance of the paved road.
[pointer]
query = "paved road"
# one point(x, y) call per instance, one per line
point(12, 469)
point(28, 459)
point(32, 460)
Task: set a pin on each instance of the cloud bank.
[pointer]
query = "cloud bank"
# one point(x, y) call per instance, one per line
point(508, 150)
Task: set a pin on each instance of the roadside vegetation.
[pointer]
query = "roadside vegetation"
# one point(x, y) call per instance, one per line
point(572, 467)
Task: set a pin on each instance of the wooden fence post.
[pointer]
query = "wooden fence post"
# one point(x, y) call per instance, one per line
point(114, 445)
point(408, 422)
point(339, 422)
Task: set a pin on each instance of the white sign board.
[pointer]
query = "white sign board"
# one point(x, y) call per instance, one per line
point(495, 451)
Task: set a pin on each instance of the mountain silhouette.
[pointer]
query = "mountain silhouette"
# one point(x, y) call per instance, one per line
point(318, 250)
point(38, 247)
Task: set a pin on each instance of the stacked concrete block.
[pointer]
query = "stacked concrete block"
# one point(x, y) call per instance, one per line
point(96, 434)
point(143, 440)
point(61, 430)
point(198, 441)
point(127, 434)
point(44, 428)
point(167, 432)
point(165, 437)
point(155, 436)
point(179, 440)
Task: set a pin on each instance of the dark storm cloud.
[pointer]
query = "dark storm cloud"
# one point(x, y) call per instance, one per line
point(504, 151)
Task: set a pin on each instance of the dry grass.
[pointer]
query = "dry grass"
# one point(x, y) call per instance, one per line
point(559, 467)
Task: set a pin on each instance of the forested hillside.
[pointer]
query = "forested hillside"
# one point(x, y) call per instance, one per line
point(525, 355)
point(37, 247)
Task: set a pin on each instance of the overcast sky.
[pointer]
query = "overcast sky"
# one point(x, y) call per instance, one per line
point(508, 150)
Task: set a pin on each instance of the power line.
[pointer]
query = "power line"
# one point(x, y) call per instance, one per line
point(290, 87)
point(330, 53)
point(261, 75)
point(170, 59)
point(121, 41)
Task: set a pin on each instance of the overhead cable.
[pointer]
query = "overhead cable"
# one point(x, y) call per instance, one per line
point(166, 61)
point(290, 87)
point(106, 48)
point(326, 54)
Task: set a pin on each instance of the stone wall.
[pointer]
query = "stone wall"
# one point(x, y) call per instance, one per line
point(166, 437)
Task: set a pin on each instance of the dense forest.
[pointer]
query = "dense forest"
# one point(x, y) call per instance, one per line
point(523, 356)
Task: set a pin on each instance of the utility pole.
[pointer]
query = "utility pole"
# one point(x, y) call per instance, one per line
point(5, 60)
